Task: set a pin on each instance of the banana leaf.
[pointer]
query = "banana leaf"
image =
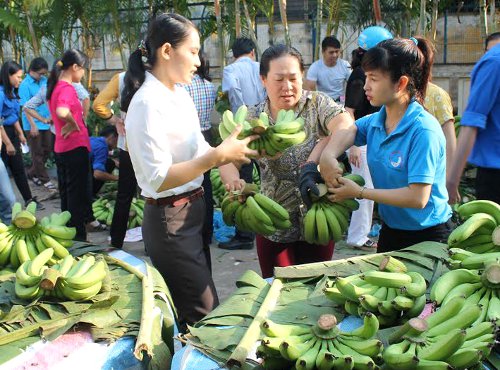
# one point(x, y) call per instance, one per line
point(114, 313)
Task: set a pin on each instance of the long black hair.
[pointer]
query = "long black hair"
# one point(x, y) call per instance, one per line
point(204, 69)
point(165, 28)
point(69, 58)
point(275, 52)
point(403, 57)
point(8, 69)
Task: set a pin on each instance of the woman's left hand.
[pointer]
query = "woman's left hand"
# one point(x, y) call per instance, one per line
point(347, 189)
point(235, 185)
point(22, 139)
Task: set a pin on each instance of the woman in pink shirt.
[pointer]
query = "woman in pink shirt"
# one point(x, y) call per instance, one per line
point(72, 145)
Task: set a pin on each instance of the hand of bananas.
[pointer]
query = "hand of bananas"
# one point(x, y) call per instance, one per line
point(393, 295)
point(286, 132)
point(218, 188)
point(252, 211)
point(103, 209)
point(325, 220)
point(323, 346)
point(67, 280)
point(480, 233)
point(475, 287)
point(447, 339)
point(26, 237)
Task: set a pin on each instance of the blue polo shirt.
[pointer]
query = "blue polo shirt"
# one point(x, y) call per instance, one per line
point(28, 89)
point(9, 108)
point(483, 110)
point(98, 153)
point(415, 152)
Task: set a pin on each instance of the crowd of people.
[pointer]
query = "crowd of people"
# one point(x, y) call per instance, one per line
point(396, 126)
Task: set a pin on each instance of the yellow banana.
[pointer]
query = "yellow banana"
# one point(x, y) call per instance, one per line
point(50, 242)
point(39, 261)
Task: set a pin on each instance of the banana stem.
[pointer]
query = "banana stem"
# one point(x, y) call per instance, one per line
point(144, 342)
point(49, 279)
point(391, 264)
point(240, 353)
point(492, 273)
point(124, 265)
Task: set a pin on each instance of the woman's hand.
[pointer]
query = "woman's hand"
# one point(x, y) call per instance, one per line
point(34, 131)
point(22, 139)
point(11, 150)
point(236, 151)
point(330, 171)
point(355, 156)
point(235, 185)
point(347, 189)
point(68, 128)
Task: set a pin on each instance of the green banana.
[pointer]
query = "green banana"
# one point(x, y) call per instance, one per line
point(401, 356)
point(31, 208)
point(27, 292)
point(257, 211)
point(446, 312)
point(322, 227)
point(24, 220)
point(333, 223)
point(387, 279)
point(465, 358)
point(341, 217)
point(443, 348)
point(351, 291)
point(310, 225)
point(307, 361)
point(417, 287)
point(350, 204)
point(240, 115)
point(230, 211)
point(334, 294)
point(477, 261)
point(465, 290)
point(291, 351)
point(369, 328)
point(22, 251)
point(468, 315)
point(80, 294)
point(450, 280)
point(81, 267)
point(51, 243)
point(468, 209)
point(474, 240)
point(24, 278)
point(402, 303)
point(473, 223)
point(271, 207)
point(368, 347)
point(36, 265)
point(16, 208)
point(284, 141)
point(358, 179)
point(273, 329)
point(91, 277)
point(291, 127)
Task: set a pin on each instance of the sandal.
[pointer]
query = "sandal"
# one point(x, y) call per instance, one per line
point(369, 245)
point(95, 228)
point(36, 181)
point(49, 185)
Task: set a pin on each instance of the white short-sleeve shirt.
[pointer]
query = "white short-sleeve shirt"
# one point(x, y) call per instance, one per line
point(330, 80)
point(162, 129)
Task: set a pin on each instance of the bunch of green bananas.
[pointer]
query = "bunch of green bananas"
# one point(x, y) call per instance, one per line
point(393, 295)
point(256, 176)
point(67, 280)
point(460, 258)
point(27, 237)
point(480, 233)
point(325, 220)
point(446, 339)
point(287, 131)
point(252, 211)
point(322, 346)
point(218, 188)
point(475, 287)
point(104, 208)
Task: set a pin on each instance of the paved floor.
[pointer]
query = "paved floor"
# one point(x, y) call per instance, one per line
point(227, 265)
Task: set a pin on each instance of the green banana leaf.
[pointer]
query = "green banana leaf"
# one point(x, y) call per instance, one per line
point(301, 299)
point(112, 314)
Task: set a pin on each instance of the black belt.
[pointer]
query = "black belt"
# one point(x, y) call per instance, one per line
point(177, 200)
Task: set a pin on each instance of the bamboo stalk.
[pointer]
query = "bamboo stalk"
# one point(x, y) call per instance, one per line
point(238, 18)
point(284, 21)
point(250, 27)
point(319, 18)
point(144, 342)
point(220, 34)
point(240, 353)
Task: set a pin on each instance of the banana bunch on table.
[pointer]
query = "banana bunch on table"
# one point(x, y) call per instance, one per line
point(322, 346)
point(287, 131)
point(477, 287)
point(480, 231)
point(447, 339)
point(325, 220)
point(27, 237)
point(392, 293)
point(250, 210)
point(67, 280)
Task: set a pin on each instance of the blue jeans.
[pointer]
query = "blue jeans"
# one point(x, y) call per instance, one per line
point(7, 196)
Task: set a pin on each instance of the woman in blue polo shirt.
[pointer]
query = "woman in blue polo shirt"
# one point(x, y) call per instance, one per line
point(406, 148)
point(12, 133)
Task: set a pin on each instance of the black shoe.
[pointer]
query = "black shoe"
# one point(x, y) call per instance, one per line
point(39, 205)
point(236, 244)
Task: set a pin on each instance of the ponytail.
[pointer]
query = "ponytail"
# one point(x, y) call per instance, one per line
point(427, 51)
point(133, 80)
point(165, 28)
point(53, 78)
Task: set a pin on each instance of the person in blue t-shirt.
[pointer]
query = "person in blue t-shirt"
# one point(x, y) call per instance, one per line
point(406, 148)
point(102, 164)
point(480, 127)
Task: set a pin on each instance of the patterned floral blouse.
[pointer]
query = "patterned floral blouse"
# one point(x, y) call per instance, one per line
point(280, 177)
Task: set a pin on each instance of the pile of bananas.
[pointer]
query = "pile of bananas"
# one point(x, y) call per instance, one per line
point(325, 220)
point(218, 188)
point(103, 209)
point(67, 280)
point(477, 288)
point(480, 233)
point(393, 295)
point(252, 211)
point(286, 132)
point(26, 237)
point(444, 340)
point(323, 346)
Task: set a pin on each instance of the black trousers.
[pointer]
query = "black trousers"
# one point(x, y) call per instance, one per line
point(208, 225)
point(73, 169)
point(97, 184)
point(488, 184)
point(15, 163)
point(172, 236)
point(394, 239)
point(127, 190)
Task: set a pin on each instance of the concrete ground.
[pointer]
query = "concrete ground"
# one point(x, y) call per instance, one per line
point(227, 265)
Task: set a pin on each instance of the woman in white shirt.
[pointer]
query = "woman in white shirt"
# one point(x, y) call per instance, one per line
point(170, 155)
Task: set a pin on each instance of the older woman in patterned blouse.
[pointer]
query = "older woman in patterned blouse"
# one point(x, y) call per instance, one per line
point(286, 178)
